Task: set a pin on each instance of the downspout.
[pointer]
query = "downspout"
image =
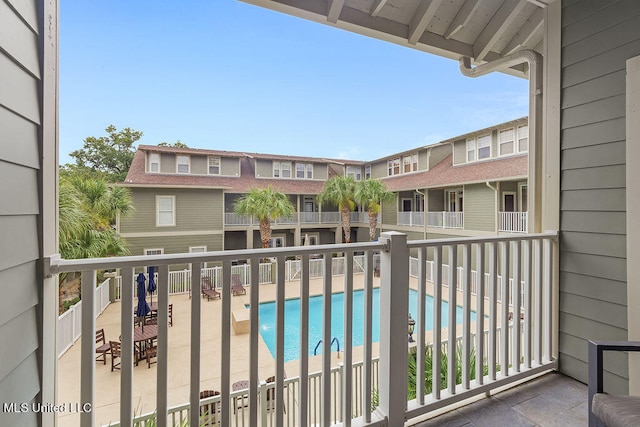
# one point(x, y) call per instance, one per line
point(424, 212)
point(534, 60)
point(495, 203)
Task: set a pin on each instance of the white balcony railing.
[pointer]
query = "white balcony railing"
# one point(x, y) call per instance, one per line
point(298, 218)
point(310, 217)
point(330, 218)
point(523, 352)
point(231, 218)
point(445, 219)
point(514, 222)
point(415, 219)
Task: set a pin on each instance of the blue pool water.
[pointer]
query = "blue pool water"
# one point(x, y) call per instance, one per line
point(267, 313)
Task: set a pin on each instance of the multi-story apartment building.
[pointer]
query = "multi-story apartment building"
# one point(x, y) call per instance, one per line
point(184, 198)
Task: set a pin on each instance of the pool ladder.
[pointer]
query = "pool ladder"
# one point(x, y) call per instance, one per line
point(335, 339)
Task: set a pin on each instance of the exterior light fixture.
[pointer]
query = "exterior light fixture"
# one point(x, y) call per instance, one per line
point(411, 327)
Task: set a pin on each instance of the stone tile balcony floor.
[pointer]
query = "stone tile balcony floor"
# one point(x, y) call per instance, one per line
point(550, 400)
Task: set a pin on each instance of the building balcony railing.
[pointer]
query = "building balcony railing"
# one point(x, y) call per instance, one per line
point(513, 222)
point(524, 351)
point(234, 219)
point(415, 219)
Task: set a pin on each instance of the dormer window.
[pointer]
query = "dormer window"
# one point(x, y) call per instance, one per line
point(506, 142)
point(471, 150)
point(285, 169)
point(355, 172)
point(410, 163)
point(309, 171)
point(154, 162)
point(484, 147)
point(523, 138)
point(214, 165)
point(393, 167)
point(182, 164)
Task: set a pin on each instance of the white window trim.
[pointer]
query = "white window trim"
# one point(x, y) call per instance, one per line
point(282, 170)
point(278, 236)
point(515, 200)
point(478, 148)
point(367, 171)
point(310, 235)
point(158, 211)
point(471, 150)
point(459, 192)
point(304, 170)
point(188, 164)
point(191, 249)
point(404, 199)
point(415, 165)
point(276, 167)
point(209, 165)
point(517, 138)
point(308, 171)
point(151, 163)
point(514, 141)
point(521, 185)
point(146, 251)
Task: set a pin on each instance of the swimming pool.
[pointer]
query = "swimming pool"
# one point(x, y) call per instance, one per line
point(267, 312)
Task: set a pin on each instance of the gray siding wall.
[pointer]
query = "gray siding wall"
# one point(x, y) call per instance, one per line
point(199, 165)
point(436, 200)
point(423, 160)
point(264, 168)
point(438, 154)
point(195, 210)
point(379, 169)
point(479, 208)
point(390, 211)
point(167, 163)
point(320, 171)
point(597, 39)
point(460, 152)
point(20, 208)
point(230, 166)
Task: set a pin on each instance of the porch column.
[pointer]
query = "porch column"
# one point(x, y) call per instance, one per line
point(297, 238)
point(249, 238)
point(339, 234)
point(394, 312)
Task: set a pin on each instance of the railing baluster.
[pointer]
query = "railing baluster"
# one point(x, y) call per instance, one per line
point(504, 333)
point(466, 314)
point(347, 375)
point(163, 345)
point(548, 298)
point(451, 326)
point(88, 345)
point(326, 343)
point(493, 309)
point(436, 347)
point(225, 342)
point(254, 381)
point(480, 294)
point(516, 339)
point(527, 303)
point(539, 304)
point(126, 361)
point(303, 395)
point(368, 315)
point(196, 308)
point(422, 316)
point(279, 387)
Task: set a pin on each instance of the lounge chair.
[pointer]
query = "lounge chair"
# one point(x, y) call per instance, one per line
point(102, 347)
point(236, 285)
point(209, 412)
point(116, 352)
point(208, 290)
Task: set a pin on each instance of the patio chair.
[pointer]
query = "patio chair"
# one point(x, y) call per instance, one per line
point(241, 400)
point(209, 412)
point(607, 409)
point(116, 352)
point(208, 290)
point(236, 285)
point(153, 320)
point(271, 396)
point(102, 347)
point(150, 353)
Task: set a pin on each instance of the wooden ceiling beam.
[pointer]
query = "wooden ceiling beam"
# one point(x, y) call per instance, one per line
point(377, 7)
point(334, 9)
point(525, 37)
point(462, 18)
point(420, 20)
point(496, 27)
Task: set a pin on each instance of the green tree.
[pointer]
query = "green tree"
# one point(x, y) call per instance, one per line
point(266, 205)
point(107, 156)
point(339, 191)
point(177, 144)
point(371, 193)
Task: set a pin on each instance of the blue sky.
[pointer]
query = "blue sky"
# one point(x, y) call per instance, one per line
point(226, 75)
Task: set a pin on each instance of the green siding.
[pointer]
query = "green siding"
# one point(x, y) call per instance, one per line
point(264, 168)
point(174, 244)
point(460, 152)
point(379, 169)
point(597, 39)
point(199, 165)
point(438, 154)
point(195, 209)
point(436, 201)
point(230, 166)
point(479, 208)
point(423, 160)
point(390, 211)
point(320, 171)
point(167, 163)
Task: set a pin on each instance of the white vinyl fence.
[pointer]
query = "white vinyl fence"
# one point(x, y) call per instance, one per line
point(69, 322)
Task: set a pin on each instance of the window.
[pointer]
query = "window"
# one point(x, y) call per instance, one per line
point(406, 164)
point(453, 200)
point(393, 166)
point(214, 165)
point(165, 211)
point(506, 141)
point(300, 170)
point(285, 169)
point(197, 249)
point(277, 241)
point(523, 138)
point(309, 171)
point(313, 239)
point(304, 170)
point(276, 169)
point(355, 172)
point(154, 162)
point(414, 162)
point(471, 150)
point(484, 147)
point(182, 163)
point(367, 172)
point(158, 251)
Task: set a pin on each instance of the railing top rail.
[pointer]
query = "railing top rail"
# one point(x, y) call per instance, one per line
point(470, 240)
point(59, 265)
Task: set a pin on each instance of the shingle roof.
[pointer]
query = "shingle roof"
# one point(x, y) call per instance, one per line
point(247, 180)
point(446, 174)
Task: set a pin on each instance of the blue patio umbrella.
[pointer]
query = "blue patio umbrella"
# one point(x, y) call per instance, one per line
point(143, 308)
point(152, 283)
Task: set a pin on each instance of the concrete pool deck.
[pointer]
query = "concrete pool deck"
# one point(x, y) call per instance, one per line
point(107, 385)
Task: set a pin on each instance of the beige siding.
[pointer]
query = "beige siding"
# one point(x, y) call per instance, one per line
point(320, 171)
point(436, 200)
point(175, 244)
point(438, 154)
point(264, 168)
point(167, 163)
point(423, 160)
point(460, 152)
point(20, 213)
point(597, 39)
point(390, 211)
point(479, 208)
point(379, 169)
point(199, 165)
point(230, 166)
point(195, 210)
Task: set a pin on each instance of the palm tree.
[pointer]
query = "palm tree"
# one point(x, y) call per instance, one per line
point(371, 193)
point(266, 205)
point(339, 191)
